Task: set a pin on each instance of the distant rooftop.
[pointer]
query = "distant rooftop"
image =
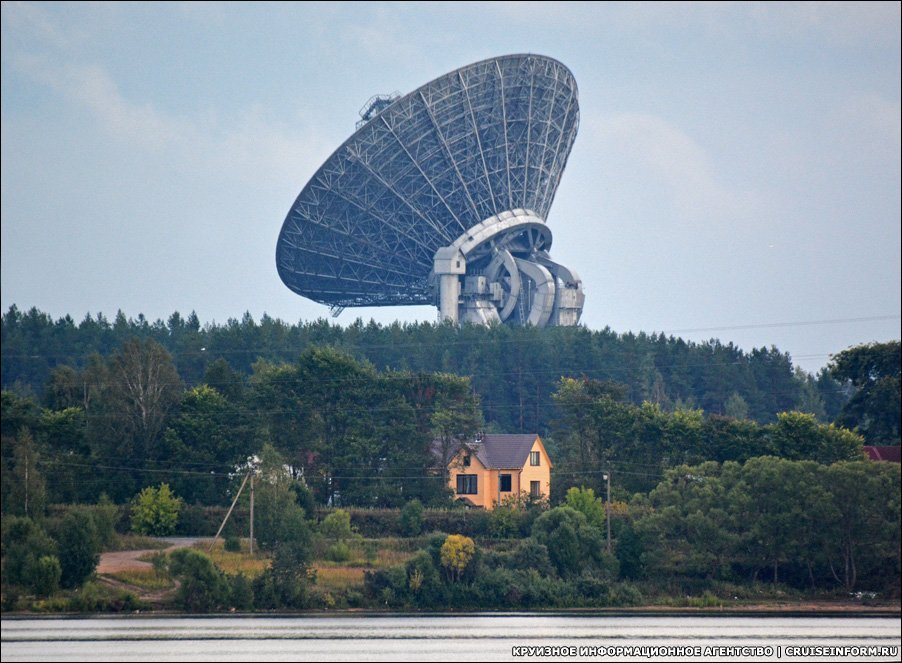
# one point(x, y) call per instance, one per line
point(496, 451)
point(887, 454)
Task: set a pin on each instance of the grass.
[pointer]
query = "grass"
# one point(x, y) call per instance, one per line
point(372, 553)
point(146, 579)
point(338, 578)
point(135, 542)
point(234, 563)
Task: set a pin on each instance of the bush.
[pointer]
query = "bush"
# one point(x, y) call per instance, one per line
point(79, 548)
point(94, 597)
point(106, 518)
point(232, 544)
point(24, 542)
point(286, 583)
point(241, 594)
point(412, 518)
point(203, 587)
point(155, 511)
point(42, 575)
point(338, 552)
point(336, 526)
point(625, 594)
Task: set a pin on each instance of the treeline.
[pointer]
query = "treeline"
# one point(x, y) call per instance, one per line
point(714, 532)
point(599, 433)
point(515, 370)
point(358, 435)
point(353, 434)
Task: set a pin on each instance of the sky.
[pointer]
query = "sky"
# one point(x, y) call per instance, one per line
point(736, 174)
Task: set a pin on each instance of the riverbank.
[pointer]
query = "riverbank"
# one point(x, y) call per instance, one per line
point(438, 637)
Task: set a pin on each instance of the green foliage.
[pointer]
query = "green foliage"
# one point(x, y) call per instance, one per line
point(155, 511)
point(207, 431)
point(42, 574)
point(278, 517)
point(232, 544)
point(798, 436)
point(336, 526)
point(202, 586)
point(803, 523)
point(105, 516)
point(24, 490)
point(412, 518)
point(24, 542)
point(584, 501)
point(507, 518)
point(338, 552)
point(875, 408)
point(400, 375)
point(79, 548)
point(573, 544)
point(241, 593)
point(95, 598)
point(286, 583)
point(597, 432)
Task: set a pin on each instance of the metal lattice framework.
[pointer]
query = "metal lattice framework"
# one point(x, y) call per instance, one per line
point(489, 137)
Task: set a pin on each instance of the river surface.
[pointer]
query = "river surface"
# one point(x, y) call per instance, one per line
point(477, 637)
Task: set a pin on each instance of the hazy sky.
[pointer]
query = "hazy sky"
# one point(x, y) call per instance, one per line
point(736, 173)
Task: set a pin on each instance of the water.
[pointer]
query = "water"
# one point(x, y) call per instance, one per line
point(444, 637)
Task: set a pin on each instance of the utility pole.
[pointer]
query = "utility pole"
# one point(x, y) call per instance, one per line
point(252, 516)
point(607, 508)
point(226, 519)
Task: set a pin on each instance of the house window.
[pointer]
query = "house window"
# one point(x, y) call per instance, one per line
point(467, 460)
point(505, 483)
point(535, 489)
point(466, 484)
point(533, 458)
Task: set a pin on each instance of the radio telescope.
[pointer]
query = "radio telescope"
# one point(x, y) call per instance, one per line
point(441, 197)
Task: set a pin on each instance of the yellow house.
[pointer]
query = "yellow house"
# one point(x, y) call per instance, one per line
point(494, 467)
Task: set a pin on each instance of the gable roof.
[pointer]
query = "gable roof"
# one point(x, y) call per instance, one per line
point(889, 454)
point(496, 451)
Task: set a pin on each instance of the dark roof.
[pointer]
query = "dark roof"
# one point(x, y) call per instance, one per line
point(497, 451)
point(889, 454)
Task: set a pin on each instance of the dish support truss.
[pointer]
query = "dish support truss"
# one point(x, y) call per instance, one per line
point(500, 271)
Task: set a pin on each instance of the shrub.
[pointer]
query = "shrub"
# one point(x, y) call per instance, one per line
point(412, 518)
point(285, 584)
point(339, 552)
point(79, 548)
point(423, 581)
point(42, 575)
point(337, 526)
point(155, 511)
point(584, 501)
point(106, 517)
point(232, 544)
point(624, 593)
point(241, 592)
point(24, 542)
point(203, 587)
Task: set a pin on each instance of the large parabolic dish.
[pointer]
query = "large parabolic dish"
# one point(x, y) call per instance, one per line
point(441, 197)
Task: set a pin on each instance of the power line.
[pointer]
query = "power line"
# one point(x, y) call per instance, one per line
point(798, 323)
point(212, 331)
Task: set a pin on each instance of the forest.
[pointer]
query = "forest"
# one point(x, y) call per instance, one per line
point(513, 369)
point(727, 467)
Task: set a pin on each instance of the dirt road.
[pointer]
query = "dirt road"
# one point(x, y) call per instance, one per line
point(127, 560)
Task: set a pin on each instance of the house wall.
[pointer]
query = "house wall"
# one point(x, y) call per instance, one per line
point(488, 480)
point(486, 483)
point(540, 473)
